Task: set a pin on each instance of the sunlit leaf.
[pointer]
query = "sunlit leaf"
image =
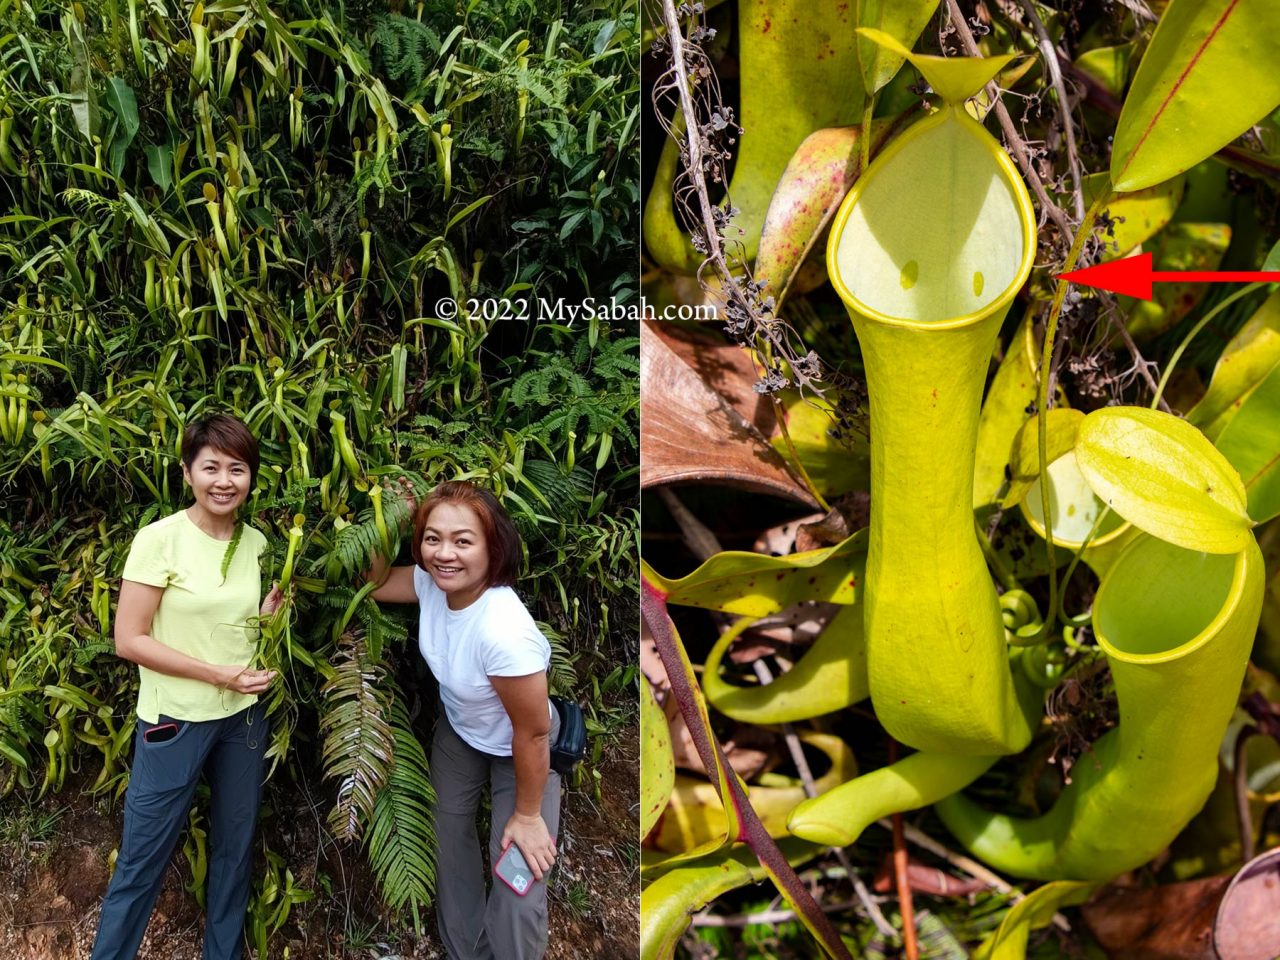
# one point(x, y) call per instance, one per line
point(800, 46)
point(657, 765)
point(668, 902)
point(832, 674)
point(754, 584)
point(807, 195)
point(1272, 261)
point(1165, 477)
point(1249, 358)
point(1252, 443)
point(696, 816)
point(1135, 217)
point(1108, 65)
point(901, 19)
point(1180, 246)
point(1208, 69)
point(1003, 412)
point(835, 466)
point(1009, 942)
point(1061, 426)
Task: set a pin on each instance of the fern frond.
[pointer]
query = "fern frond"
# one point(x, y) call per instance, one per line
point(557, 486)
point(562, 676)
point(87, 200)
point(401, 839)
point(404, 46)
point(356, 544)
point(358, 742)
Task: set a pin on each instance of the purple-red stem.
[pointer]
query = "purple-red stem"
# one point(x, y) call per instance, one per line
point(653, 608)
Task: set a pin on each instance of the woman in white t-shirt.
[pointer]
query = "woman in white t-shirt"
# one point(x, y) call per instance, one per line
point(497, 722)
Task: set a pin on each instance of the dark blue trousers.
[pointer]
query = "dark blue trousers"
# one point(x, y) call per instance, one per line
point(162, 783)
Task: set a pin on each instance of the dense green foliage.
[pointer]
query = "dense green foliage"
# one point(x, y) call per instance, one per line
point(259, 208)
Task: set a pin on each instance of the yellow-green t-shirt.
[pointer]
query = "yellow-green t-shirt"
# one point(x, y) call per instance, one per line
point(200, 614)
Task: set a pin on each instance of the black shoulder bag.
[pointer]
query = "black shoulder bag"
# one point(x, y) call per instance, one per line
point(571, 744)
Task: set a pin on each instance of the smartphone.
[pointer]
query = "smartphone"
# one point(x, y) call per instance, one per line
point(160, 733)
point(512, 870)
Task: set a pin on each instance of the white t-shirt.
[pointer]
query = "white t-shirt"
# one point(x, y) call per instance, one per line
point(493, 637)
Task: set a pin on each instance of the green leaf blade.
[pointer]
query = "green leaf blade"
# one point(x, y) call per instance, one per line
point(1164, 476)
point(656, 760)
point(1251, 442)
point(904, 20)
point(1205, 78)
point(757, 585)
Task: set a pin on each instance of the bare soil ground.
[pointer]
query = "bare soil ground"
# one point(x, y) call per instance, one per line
point(54, 857)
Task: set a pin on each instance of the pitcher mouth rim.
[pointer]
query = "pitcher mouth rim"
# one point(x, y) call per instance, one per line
point(1022, 197)
point(1235, 597)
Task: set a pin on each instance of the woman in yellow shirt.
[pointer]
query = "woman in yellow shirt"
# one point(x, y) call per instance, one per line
point(188, 603)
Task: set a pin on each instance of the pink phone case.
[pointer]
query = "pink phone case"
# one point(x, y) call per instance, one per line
point(512, 861)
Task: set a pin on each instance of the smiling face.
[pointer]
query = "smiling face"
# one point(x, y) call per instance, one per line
point(454, 552)
point(219, 480)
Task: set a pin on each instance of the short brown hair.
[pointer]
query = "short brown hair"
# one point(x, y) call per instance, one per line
point(500, 536)
point(224, 433)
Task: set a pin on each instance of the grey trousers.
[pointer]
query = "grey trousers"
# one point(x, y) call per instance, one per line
point(162, 783)
point(505, 926)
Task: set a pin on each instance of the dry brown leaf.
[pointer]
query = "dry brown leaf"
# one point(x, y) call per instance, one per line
point(1170, 922)
point(726, 368)
point(691, 433)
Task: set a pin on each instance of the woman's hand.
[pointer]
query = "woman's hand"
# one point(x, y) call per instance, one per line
point(271, 603)
point(245, 680)
point(531, 836)
point(407, 494)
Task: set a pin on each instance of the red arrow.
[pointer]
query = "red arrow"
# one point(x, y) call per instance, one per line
point(1133, 276)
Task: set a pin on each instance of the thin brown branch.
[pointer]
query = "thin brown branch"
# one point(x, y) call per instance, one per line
point(1017, 146)
point(770, 917)
point(693, 136)
point(749, 316)
point(703, 543)
point(968, 866)
point(1050, 57)
point(906, 906)
point(699, 538)
point(1018, 149)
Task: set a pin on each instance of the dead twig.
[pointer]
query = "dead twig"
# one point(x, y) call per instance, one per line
point(770, 917)
point(1050, 56)
point(906, 906)
point(1018, 149)
point(704, 140)
point(1017, 146)
point(969, 866)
